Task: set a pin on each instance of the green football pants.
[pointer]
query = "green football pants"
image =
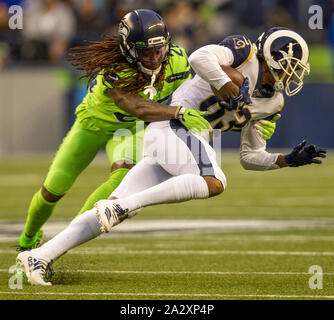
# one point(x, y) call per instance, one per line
point(80, 147)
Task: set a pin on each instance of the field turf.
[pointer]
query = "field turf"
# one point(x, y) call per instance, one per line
point(207, 264)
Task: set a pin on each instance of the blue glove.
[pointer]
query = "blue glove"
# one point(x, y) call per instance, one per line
point(302, 155)
point(242, 99)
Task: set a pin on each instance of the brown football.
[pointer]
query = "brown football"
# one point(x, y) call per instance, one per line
point(234, 75)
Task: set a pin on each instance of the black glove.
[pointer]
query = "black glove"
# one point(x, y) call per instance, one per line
point(302, 155)
point(242, 99)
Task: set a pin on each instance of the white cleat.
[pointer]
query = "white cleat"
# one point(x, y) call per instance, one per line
point(109, 214)
point(34, 268)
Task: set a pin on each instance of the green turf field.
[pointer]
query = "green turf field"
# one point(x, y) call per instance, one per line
point(219, 264)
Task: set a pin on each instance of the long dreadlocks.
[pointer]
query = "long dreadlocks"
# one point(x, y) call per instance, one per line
point(100, 57)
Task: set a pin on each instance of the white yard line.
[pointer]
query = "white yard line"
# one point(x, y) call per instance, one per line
point(99, 251)
point(186, 272)
point(10, 230)
point(273, 238)
point(157, 294)
point(200, 252)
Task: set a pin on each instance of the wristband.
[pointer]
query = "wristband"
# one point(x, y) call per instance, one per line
point(179, 112)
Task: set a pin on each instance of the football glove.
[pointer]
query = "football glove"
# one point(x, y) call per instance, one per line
point(192, 119)
point(267, 127)
point(302, 155)
point(242, 99)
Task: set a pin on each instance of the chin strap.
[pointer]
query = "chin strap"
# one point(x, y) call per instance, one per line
point(153, 73)
point(279, 86)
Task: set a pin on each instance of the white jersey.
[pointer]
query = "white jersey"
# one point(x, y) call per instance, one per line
point(197, 94)
point(238, 52)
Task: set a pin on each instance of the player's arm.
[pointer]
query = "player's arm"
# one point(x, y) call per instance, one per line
point(150, 111)
point(207, 61)
point(142, 109)
point(301, 155)
point(254, 156)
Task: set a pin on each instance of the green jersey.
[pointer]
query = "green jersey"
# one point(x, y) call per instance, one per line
point(98, 110)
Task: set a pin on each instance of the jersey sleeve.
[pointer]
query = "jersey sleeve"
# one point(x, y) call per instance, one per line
point(241, 48)
point(253, 154)
point(264, 108)
point(207, 61)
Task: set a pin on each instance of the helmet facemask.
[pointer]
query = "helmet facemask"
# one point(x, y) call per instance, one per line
point(143, 55)
point(289, 72)
point(286, 54)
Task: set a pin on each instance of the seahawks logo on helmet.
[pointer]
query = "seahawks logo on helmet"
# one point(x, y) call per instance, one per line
point(123, 30)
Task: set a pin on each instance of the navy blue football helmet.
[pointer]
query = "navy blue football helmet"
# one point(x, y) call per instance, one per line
point(286, 54)
point(139, 30)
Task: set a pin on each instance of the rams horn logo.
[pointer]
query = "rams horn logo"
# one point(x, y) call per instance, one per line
point(238, 44)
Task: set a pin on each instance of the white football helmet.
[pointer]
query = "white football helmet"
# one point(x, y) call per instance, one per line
point(286, 54)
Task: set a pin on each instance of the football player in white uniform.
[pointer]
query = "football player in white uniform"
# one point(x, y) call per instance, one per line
point(278, 61)
point(180, 165)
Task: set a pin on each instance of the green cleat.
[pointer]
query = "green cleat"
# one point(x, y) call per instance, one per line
point(30, 243)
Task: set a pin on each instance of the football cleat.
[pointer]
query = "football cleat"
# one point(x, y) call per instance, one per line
point(109, 214)
point(30, 243)
point(34, 268)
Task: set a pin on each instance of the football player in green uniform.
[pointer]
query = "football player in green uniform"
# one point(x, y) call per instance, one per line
point(141, 59)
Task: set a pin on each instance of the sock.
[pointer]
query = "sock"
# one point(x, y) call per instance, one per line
point(38, 213)
point(82, 229)
point(104, 191)
point(176, 189)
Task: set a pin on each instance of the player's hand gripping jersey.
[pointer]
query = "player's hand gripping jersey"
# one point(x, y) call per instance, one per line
point(98, 106)
point(239, 53)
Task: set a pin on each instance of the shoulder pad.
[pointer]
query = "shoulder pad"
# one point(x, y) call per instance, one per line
point(176, 50)
point(178, 59)
point(241, 47)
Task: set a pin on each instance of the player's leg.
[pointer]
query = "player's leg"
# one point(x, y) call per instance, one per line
point(35, 263)
point(118, 172)
point(124, 150)
point(179, 152)
point(196, 174)
point(85, 227)
point(77, 150)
